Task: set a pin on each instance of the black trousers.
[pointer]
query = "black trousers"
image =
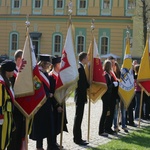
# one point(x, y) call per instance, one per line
point(109, 118)
point(19, 132)
point(102, 122)
point(77, 132)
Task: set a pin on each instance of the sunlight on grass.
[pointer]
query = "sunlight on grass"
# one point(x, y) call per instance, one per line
point(138, 140)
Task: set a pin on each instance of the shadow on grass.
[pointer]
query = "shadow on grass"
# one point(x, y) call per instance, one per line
point(139, 138)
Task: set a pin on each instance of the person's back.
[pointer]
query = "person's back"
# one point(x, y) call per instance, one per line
point(80, 100)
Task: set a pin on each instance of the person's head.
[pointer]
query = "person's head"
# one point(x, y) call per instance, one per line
point(112, 59)
point(134, 62)
point(83, 58)
point(44, 61)
point(56, 63)
point(107, 66)
point(7, 70)
point(136, 68)
point(18, 57)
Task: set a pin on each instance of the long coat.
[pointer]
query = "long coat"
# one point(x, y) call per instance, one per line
point(57, 115)
point(43, 123)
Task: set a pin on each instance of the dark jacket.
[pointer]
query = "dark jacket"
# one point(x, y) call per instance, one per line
point(81, 90)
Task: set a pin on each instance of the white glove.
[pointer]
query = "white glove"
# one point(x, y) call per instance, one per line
point(115, 83)
point(1, 121)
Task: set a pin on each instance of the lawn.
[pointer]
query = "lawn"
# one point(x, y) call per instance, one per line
point(137, 140)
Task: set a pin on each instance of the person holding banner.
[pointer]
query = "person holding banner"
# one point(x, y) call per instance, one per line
point(58, 109)
point(106, 99)
point(19, 133)
point(114, 96)
point(80, 100)
point(43, 124)
point(6, 102)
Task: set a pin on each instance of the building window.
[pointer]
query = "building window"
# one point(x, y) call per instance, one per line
point(37, 4)
point(131, 4)
point(82, 4)
point(16, 3)
point(106, 4)
point(104, 45)
point(80, 44)
point(59, 4)
point(14, 41)
point(57, 44)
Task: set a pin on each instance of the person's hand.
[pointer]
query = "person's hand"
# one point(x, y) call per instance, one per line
point(59, 109)
point(51, 95)
point(1, 121)
point(115, 83)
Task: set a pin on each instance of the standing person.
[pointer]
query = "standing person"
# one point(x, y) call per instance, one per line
point(43, 120)
point(6, 102)
point(137, 93)
point(58, 109)
point(119, 104)
point(114, 96)
point(80, 100)
point(19, 133)
point(106, 98)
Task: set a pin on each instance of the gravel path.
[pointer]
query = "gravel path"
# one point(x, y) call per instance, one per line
point(95, 139)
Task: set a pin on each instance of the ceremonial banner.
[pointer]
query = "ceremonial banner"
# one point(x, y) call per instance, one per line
point(95, 73)
point(68, 75)
point(28, 105)
point(126, 84)
point(144, 70)
point(24, 86)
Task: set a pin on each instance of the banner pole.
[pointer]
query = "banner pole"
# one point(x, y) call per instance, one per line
point(62, 126)
point(140, 112)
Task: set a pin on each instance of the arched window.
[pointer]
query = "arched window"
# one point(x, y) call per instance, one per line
point(80, 44)
point(13, 41)
point(104, 45)
point(57, 44)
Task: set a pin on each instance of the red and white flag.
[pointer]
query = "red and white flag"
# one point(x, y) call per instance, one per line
point(29, 104)
point(68, 75)
point(95, 73)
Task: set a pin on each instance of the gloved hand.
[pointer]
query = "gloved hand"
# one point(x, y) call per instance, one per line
point(1, 119)
point(115, 83)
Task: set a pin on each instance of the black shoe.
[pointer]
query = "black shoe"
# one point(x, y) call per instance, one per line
point(132, 124)
point(111, 132)
point(82, 142)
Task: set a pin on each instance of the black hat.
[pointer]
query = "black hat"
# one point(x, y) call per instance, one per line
point(56, 60)
point(8, 65)
point(44, 57)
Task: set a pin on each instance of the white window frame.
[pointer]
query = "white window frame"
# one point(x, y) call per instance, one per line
point(11, 41)
point(81, 44)
point(101, 45)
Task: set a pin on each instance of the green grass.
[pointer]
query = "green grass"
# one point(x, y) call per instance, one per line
point(137, 140)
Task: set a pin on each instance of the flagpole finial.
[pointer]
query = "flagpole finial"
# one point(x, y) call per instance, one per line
point(92, 25)
point(148, 27)
point(128, 32)
point(27, 23)
point(70, 9)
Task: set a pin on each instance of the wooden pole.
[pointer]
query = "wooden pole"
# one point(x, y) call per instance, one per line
point(140, 112)
point(90, 79)
point(62, 126)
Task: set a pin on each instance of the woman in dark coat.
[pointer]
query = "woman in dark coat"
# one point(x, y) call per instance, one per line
point(58, 109)
point(43, 124)
point(106, 98)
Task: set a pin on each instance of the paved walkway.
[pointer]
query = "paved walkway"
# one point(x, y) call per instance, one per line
point(95, 139)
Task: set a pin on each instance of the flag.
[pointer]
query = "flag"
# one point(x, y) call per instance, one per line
point(95, 73)
point(126, 84)
point(22, 87)
point(68, 74)
point(29, 104)
point(144, 70)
